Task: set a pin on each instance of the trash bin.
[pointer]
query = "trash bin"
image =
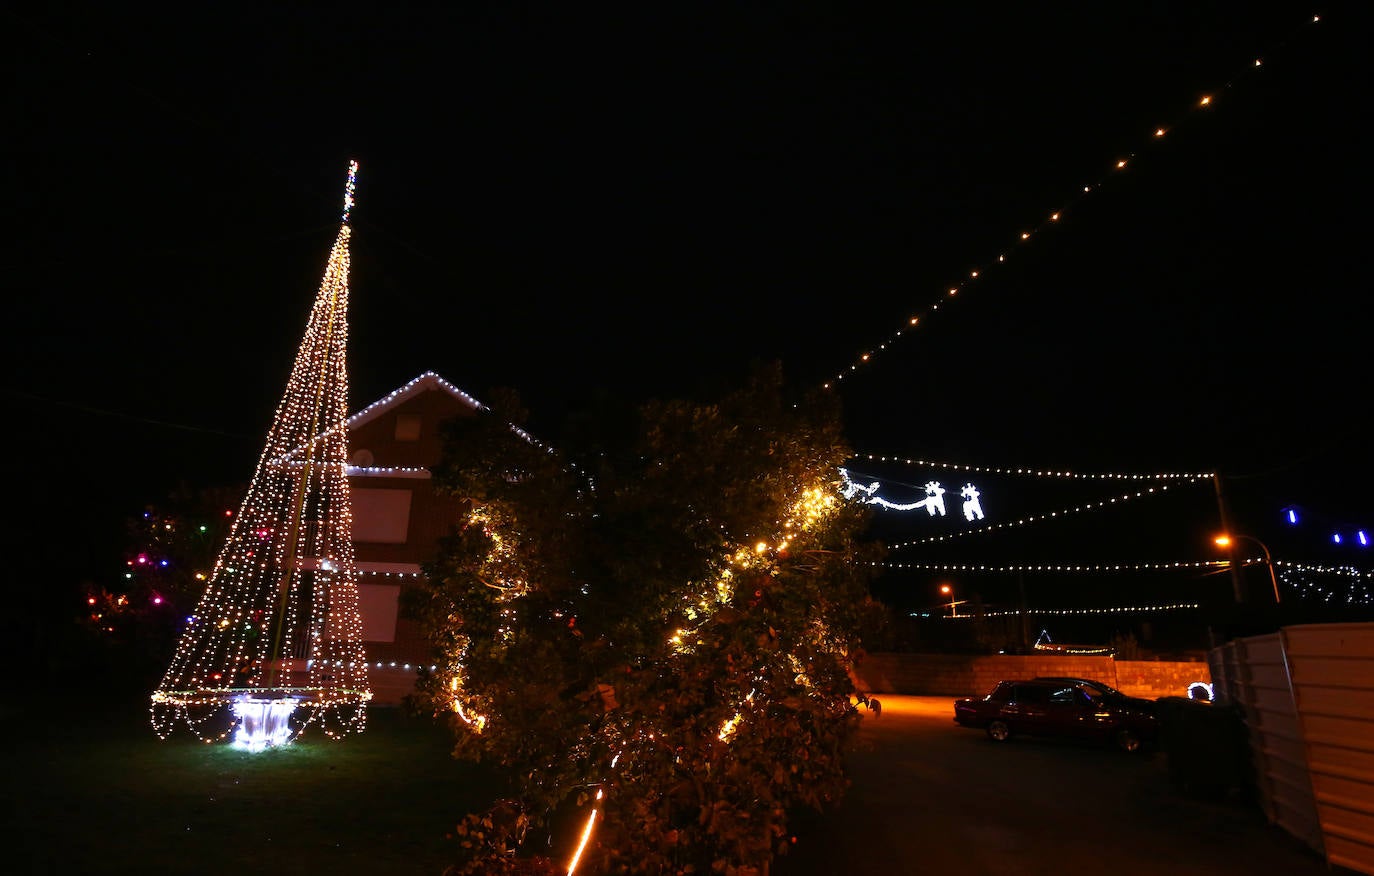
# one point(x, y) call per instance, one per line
point(1207, 747)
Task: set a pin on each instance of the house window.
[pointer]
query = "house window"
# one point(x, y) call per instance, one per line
point(381, 516)
point(407, 427)
point(377, 603)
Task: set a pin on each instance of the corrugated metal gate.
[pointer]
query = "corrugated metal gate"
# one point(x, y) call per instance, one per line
point(1307, 696)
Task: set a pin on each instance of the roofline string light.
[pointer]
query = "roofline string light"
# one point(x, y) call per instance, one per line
point(1118, 165)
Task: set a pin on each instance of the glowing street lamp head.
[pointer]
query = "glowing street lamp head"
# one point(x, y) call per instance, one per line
point(1223, 540)
point(945, 589)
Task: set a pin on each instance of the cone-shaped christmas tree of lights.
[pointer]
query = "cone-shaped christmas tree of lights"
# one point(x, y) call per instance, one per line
point(275, 644)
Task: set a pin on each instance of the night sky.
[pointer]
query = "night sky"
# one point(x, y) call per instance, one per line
point(642, 201)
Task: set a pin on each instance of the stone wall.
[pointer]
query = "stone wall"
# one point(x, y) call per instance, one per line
point(1154, 679)
point(961, 675)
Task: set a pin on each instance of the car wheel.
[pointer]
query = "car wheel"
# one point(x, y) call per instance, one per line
point(1127, 740)
point(998, 731)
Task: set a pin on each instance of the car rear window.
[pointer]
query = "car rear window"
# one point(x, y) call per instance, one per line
point(1026, 693)
point(1071, 695)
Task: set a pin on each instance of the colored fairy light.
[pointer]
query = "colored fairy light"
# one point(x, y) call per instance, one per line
point(348, 189)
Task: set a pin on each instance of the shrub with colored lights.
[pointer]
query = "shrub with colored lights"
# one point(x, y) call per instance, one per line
point(170, 550)
point(654, 637)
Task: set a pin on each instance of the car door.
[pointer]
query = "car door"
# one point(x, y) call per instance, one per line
point(1073, 713)
point(1028, 709)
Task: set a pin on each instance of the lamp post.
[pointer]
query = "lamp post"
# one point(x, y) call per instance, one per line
point(1225, 541)
point(947, 590)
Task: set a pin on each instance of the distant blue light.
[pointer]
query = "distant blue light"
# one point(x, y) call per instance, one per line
point(1292, 515)
point(1336, 537)
point(1363, 537)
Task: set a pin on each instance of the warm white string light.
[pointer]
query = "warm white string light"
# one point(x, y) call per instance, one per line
point(1313, 582)
point(1034, 518)
point(1120, 609)
point(279, 621)
point(1042, 567)
point(1035, 472)
point(1052, 218)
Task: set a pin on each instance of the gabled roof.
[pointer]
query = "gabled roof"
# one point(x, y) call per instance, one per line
point(424, 383)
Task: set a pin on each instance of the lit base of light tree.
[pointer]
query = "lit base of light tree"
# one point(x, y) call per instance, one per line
point(263, 723)
point(259, 719)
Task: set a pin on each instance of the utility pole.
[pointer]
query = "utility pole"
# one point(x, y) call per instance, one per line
point(1025, 618)
point(1232, 550)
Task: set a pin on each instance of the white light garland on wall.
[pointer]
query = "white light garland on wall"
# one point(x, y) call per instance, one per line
point(374, 471)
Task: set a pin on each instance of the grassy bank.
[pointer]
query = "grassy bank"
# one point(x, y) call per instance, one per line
point(93, 790)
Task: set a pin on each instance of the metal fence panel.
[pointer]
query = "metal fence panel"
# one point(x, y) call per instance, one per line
point(1259, 682)
point(1333, 690)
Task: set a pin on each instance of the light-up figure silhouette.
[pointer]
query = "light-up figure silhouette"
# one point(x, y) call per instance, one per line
point(973, 509)
point(935, 499)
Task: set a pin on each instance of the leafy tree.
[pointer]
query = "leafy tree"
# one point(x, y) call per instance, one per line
point(660, 631)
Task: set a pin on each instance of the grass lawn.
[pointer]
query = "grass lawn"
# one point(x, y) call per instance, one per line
point(93, 790)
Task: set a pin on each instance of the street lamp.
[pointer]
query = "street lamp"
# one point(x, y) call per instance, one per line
point(947, 590)
point(1225, 541)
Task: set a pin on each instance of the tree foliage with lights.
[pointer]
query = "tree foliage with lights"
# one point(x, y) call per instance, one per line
point(653, 637)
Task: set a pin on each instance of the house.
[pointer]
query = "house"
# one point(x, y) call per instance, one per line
point(398, 519)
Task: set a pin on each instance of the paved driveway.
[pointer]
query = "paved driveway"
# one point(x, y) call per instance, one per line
point(930, 797)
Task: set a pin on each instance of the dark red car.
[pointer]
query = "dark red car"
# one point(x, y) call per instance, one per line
point(1058, 708)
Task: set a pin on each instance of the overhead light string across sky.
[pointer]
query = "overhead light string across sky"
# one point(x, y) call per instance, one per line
point(1118, 165)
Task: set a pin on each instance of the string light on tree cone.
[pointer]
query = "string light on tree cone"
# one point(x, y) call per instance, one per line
point(278, 627)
